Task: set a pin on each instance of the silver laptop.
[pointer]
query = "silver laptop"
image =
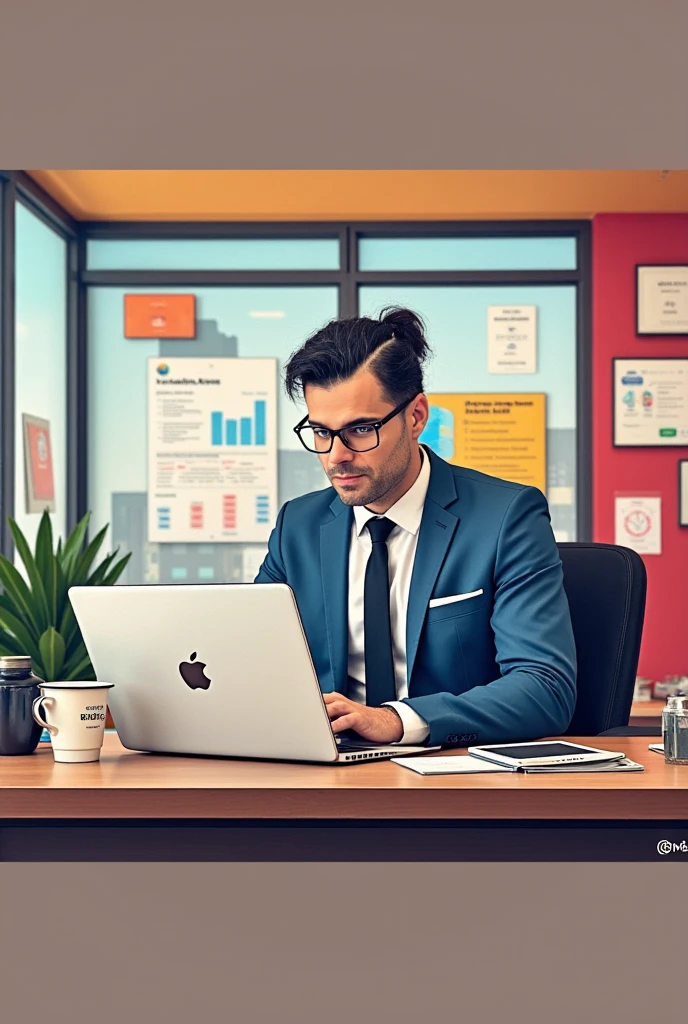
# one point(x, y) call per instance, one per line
point(218, 670)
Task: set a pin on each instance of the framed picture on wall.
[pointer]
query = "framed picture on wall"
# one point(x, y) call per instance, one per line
point(661, 299)
point(38, 465)
point(683, 492)
point(650, 402)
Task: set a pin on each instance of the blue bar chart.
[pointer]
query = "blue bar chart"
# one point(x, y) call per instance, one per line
point(247, 430)
point(216, 427)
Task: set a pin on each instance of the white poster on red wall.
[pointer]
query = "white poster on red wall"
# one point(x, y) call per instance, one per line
point(639, 524)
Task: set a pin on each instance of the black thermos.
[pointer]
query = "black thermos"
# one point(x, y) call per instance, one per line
point(19, 733)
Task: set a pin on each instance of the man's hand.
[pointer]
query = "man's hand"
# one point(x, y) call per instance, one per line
point(381, 725)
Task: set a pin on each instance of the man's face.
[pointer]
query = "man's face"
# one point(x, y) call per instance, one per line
point(364, 478)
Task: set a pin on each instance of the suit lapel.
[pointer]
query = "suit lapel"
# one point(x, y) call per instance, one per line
point(437, 529)
point(335, 537)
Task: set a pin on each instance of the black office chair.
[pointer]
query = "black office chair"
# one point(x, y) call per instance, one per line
point(606, 586)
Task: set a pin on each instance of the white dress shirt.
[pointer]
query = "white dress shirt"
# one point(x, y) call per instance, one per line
point(401, 547)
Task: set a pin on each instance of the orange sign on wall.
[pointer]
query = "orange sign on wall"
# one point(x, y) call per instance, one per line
point(159, 316)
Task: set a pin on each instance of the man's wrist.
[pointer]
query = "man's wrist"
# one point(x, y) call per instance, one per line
point(388, 707)
point(416, 729)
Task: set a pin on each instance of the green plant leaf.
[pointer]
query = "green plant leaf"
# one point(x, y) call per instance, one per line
point(5, 651)
point(68, 622)
point(10, 644)
point(40, 601)
point(72, 637)
point(39, 620)
point(85, 559)
point(79, 666)
point(100, 572)
point(52, 648)
point(16, 590)
point(47, 565)
point(18, 629)
point(116, 571)
point(12, 605)
point(73, 546)
point(44, 541)
point(62, 598)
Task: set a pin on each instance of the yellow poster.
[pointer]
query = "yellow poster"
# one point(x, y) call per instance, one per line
point(503, 435)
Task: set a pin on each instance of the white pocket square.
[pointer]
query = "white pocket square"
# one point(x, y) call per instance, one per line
point(438, 601)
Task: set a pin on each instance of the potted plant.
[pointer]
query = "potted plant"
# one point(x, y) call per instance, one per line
point(36, 617)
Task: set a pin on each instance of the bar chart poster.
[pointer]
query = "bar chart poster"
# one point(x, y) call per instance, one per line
point(212, 450)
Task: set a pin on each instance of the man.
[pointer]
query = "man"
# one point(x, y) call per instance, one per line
point(431, 595)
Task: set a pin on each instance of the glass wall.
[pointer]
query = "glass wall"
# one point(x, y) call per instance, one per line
point(41, 364)
point(446, 253)
point(213, 254)
point(265, 319)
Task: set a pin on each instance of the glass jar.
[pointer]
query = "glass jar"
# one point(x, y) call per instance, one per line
point(675, 730)
point(19, 687)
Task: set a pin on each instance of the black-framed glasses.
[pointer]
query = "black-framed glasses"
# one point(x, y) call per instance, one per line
point(358, 437)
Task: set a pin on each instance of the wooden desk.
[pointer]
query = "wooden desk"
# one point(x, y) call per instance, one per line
point(647, 712)
point(133, 786)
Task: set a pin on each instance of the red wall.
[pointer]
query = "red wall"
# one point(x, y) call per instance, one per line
point(620, 241)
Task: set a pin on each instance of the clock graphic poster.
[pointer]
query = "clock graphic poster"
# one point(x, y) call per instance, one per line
point(639, 524)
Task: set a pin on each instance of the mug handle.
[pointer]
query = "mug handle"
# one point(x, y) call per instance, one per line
point(35, 707)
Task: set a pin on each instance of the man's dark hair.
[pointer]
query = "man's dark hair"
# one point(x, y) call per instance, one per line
point(393, 348)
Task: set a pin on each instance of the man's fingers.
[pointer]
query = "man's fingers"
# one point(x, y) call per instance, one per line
point(345, 722)
point(338, 707)
point(335, 697)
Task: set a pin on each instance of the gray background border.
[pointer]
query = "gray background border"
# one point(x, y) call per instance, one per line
point(520, 84)
point(529, 84)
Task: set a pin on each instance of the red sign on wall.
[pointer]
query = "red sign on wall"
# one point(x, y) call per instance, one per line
point(38, 465)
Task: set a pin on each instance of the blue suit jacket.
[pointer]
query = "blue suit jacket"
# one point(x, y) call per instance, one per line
point(493, 668)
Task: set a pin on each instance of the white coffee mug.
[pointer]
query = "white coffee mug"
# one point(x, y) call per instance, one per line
point(75, 718)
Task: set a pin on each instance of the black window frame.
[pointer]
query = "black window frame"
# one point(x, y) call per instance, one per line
point(348, 278)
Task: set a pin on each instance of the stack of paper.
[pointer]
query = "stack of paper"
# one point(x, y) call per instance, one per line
point(449, 765)
point(463, 765)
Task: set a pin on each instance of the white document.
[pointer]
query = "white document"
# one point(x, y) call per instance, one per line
point(639, 524)
point(458, 765)
point(663, 300)
point(212, 449)
point(511, 339)
point(650, 402)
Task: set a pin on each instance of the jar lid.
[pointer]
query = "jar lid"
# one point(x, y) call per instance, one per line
point(679, 702)
point(15, 661)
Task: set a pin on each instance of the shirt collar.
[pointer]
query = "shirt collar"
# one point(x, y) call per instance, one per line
point(407, 512)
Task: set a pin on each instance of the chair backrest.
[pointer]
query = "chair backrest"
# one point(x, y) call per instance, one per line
point(606, 587)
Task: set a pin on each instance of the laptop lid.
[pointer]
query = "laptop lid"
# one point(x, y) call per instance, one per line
point(221, 670)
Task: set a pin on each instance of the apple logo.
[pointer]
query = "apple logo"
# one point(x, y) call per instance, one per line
point(193, 675)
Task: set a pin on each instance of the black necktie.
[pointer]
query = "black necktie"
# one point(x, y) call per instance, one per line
point(379, 660)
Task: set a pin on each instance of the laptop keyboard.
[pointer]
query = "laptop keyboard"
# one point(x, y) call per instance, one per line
point(351, 746)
